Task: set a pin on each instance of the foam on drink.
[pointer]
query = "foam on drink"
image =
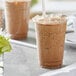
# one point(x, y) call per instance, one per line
point(49, 19)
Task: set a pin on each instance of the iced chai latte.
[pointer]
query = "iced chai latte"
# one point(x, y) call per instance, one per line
point(50, 36)
point(17, 17)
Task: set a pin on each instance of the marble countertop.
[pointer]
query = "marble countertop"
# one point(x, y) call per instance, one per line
point(23, 61)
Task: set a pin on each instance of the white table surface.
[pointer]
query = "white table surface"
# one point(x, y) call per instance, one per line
point(23, 61)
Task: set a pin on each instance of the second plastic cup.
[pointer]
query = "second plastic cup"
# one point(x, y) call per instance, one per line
point(17, 18)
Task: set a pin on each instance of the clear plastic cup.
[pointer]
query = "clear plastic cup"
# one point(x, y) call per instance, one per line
point(50, 37)
point(17, 18)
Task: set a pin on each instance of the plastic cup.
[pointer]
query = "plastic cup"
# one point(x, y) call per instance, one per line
point(50, 37)
point(17, 18)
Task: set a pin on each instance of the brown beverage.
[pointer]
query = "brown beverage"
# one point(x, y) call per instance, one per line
point(50, 33)
point(17, 17)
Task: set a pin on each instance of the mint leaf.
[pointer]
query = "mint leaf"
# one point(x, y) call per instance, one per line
point(33, 2)
point(4, 45)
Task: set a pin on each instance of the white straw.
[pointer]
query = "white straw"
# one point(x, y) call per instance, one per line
point(43, 8)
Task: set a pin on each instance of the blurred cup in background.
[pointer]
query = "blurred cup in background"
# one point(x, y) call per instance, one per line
point(17, 18)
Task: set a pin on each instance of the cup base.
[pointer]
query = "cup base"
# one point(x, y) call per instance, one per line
point(49, 66)
point(19, 36)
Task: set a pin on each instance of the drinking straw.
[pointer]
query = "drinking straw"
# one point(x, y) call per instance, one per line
point(43, 8)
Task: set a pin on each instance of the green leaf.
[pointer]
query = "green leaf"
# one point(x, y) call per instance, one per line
point(5, 45)
point(33, 2)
